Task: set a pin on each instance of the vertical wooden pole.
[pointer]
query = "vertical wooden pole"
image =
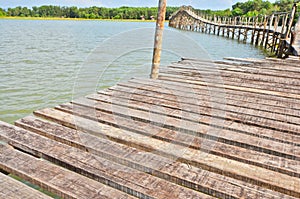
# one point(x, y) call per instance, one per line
point(265, 22)
point(245, 35)
point(285, 36)
point(268, 31)
point(162, 8)
point(290, 24)
point(254, 21)
point(275, 36)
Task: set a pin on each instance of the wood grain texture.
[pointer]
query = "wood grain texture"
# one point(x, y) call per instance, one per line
point(13, 189)
point(192, 133)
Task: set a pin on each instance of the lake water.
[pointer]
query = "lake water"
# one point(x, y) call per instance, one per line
point(46, 63)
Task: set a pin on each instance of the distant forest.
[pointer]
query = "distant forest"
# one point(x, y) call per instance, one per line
point(87, 13)
point(249, 8)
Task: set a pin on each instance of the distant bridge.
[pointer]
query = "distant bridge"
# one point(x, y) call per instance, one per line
point(275, 33)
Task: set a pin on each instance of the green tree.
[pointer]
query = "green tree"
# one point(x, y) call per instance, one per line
point(248, 8)
point(285, 5)
point(73, 12)
point(25, 12)
point(2, 12)
point(237, 11)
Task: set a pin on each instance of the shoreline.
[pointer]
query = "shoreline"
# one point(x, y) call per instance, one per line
point(75, 19)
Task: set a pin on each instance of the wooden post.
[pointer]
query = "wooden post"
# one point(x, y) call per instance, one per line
point(268, 31)
point(254, 30)
point(162, 7)
point(274, 43)
point(215, 28)
point(265, 23)
point(290, 24)
point(245, 35)
point(285, 36)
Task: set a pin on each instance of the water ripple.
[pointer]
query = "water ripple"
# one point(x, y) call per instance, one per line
point(39, 60)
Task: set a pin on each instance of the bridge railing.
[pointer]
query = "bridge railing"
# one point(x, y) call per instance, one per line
point(279, 24)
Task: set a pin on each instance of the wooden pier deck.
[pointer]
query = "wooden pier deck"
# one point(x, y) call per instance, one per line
point(223, 129)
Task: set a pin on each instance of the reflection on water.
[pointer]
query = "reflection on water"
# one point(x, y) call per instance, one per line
point(40, 60)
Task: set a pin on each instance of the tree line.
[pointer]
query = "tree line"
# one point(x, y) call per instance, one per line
point(87, 13)
point(248, 8)
point(252, 8)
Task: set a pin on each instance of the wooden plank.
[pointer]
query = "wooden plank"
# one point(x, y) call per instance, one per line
point(231, 136)
point(238, 108)
point(13, 189)
point(232, 153)
point(227, 72)
point(52, 178)
point(191, 92)
point(244, 78)
point(187, 140)
point(249, 65)
point(243, 69)
point(256, 175)
point(292, 64)
point(148, 162)
point(199, 114)
point(128, 180)
point(176, 78)
point(267, 71)
point(208, 108)
point(290, 87)
point(279, 65)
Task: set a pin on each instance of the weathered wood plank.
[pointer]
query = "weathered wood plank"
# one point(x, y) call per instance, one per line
point(188, 140)
point(241, 72)
point(234, 81)
point(251, 64)
point(140, 106)
point(278, 65)
point(55, 179)
point(118, 176)
point(209, 110)
point(231, 136)
point(176, 78)
point(254, 116)
point(257, 63)
point(12, 189)
point(191, 93)
point(198, 114)
point(175, 172)
point(256, 175)
point(243, 78)
point(168, 138)
point(263, 69)
point(231, 107)
point(238, 97)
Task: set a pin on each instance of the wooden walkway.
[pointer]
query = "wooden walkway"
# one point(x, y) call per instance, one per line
point(273, 33)
point(223, 129)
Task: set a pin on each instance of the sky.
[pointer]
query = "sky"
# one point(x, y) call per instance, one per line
point(201, 4)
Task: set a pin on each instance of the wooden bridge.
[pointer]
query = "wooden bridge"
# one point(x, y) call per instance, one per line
point(275, 33)
point(223, 129)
